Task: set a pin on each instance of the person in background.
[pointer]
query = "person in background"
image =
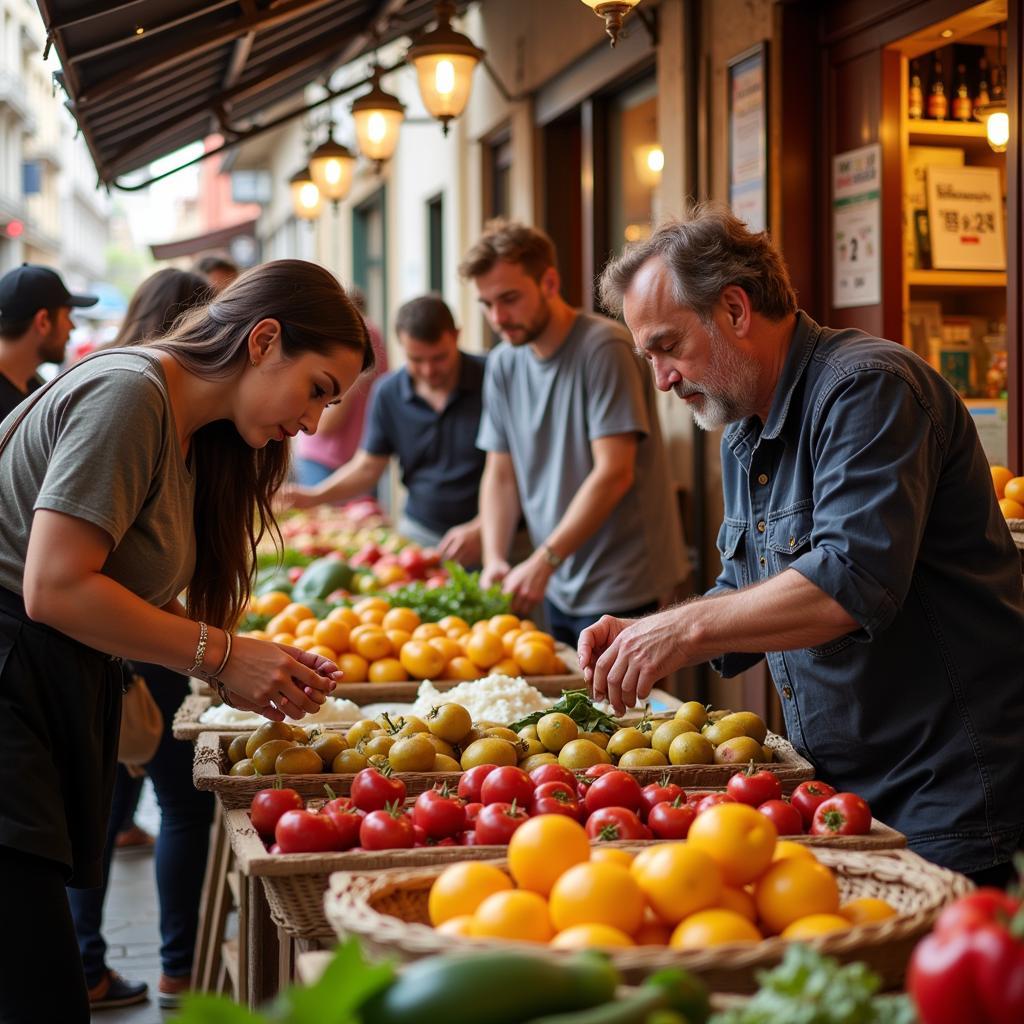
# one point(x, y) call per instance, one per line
point(185, 812)
point(336, 441)
point(572, 439)
point(427, 414)
point(35, 324)
point(218, 271)
point(138, 474)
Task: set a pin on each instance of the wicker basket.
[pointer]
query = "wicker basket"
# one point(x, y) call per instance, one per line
point(388, 912)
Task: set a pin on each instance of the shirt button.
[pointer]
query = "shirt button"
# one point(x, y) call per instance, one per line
point(787, 692)
point(763, 560)
point(760, 527)
point(792, 542)
point(763, 479)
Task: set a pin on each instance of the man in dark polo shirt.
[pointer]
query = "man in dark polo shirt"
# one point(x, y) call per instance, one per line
point(427, 414)
point(35, 324)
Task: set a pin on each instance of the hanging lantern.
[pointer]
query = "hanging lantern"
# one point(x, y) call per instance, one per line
point(995, 114)
point(444, 60)
point(378, 116)
point(306, 199)
point(614, 13)
point(332, 166)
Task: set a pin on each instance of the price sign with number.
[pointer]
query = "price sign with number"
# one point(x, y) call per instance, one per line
point(856, 221)
point(965, 218)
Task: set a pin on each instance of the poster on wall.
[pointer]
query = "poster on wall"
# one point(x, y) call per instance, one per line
point(965, 218)
point(856, 227)
point(748, 136)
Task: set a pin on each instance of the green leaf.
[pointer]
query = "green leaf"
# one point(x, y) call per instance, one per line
point(199, 1008)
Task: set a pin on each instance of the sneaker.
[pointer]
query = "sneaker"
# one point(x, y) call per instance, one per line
point(171, 989)
point(112, 990)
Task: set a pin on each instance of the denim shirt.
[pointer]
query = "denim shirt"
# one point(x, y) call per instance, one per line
point(869, 480)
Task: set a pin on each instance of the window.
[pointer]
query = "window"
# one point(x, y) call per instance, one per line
point(498, 177)
point(435, 244)
point(369, 256)
point(635, 161)
point(31, 178)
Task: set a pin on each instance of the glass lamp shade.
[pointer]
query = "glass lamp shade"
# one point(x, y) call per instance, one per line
point(306, 199)
point(997, 124)
point(378, 116)
point(614, 13)
point(332, 166)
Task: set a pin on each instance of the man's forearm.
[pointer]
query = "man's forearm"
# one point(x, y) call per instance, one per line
point(499, 514)
point(589, 509)
point(354, 478)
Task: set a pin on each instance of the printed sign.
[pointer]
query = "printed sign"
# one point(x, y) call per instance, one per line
point(965, 218)
point(856, 227)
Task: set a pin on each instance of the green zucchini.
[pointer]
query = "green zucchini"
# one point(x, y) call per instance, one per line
point(492, 988)
point(634, 1009)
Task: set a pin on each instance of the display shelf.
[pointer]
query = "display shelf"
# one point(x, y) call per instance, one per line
point(956, 278)
point(954, 133)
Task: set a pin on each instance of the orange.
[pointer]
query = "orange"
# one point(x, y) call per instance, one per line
point(527, 624)
point(372, 617)
point(372, 645)
point(534, 659)
point(506, 667)
point(387, 670)
point(304, 643)
point(535, 636)
point(299, 612)
point(587, 936)
point(484, 649)
point(273, 603)
point(358, 630)
point(388, 574)
point(740, 901)
point(346, 615)
point(1014, 490)
point(516, 914)
point(542, 849)
point(740, 838)
point(508, 641)
point(332, 634)
point(324, 652)
point(284, 638)
point(257, 634)
point(421, 660)
point(447, 646)
point(1011, 509)
point(370, 602)
point(457, 927)
point(598, 893)
point(787, 848)
point(282, 624)
point(450, 622)
point(501, 624)
point(401, 618)
point(427, 631)
point(398, 637)
point(713, 928)
point(794, 888)
point(461, 888)
point(455, 632)
point(815, 924)
point(611, 855)
point(306, 627)
point(461, 668)
point(866, 910)
point(354, 668)
point(1001, 476)
point(678, 880)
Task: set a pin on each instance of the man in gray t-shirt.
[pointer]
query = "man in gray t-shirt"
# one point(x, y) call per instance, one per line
point(572, 439)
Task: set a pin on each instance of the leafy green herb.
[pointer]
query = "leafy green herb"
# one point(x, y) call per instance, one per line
point(580, 708)
point(462, 595)
point(282, 559)
point(808, 988)
point(253, 621)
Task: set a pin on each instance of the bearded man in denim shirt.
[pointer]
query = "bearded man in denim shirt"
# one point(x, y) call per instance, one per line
point(863, 552)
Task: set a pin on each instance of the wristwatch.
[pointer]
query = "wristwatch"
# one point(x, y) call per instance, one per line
point(551, 557)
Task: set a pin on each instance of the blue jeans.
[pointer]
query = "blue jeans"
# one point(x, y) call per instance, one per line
point(181, 846)
point(309, 473)
point(567, 628)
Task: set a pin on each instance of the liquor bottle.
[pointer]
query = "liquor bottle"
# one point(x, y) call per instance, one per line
point(915, 97)
point(983, 95)
point(963, 109)
point(938, 104)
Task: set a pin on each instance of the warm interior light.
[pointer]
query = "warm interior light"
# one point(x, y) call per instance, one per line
point(378, 117)
point(656, 160)
point(997, 129)
point(649, 162)
point(376, 127)
point(332, 166)
point(306, 198)
point(444, 77)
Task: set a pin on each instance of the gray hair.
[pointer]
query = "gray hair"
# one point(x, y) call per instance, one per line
point(706, 251)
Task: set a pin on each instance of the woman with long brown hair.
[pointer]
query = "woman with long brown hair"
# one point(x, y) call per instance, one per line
point(137, 474)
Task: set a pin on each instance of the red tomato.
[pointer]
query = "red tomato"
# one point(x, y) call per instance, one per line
point(713, 800)
point(347, 821)
point(467, 838)
point(472, 810)
point(388, 829)
point(696, 797)
point(553, 773)
point(471, 781)
point(785, 817)
point(610, 823)
point(507, 784)
point(671, 820)
point(614, 789)
point(754, 788)
point(373, 791)
point(806, 797)
point(555, 798)
point(304, 832)
point(496, 823)
point(844, 814)
point(439, 813)
point(269, 804)
point(660, 792)
point(980, 907)
point(590, 776)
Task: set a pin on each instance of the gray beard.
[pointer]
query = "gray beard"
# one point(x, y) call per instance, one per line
point(729, 390)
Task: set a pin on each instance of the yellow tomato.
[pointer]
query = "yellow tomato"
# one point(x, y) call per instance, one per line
point(332, 634)
point(506, 667)
point(427, 630)
point(787, 848)
point(288, 639)
point(739, 838)
point(1011, 509)
point(484, 649)
point(387, 670)
point(598, 893)
point(372, 645)
point(508, 641)
point(678, 880)
point(793, 888)
point(611, 855)
point(534, 659)
point(516, 914)
point(421, 660)
point(299, 612)
point(526, 625)
point(713, 928)
point(590, 936)
point(461, 888)
point(273, 603)
point(461, 668)
point(1014, 490)
point(1001, 476)
point(372, 617)
point(345, 615)
point(257, 634)
point(866, 910)
point(813, 925)
point(324, 652)
point(447, 646)
point(306, 627)
point(740, 901)
point(401, 618)
point(501, 624)
point(450, 622)
point(304, 643)
point(535, 636)
point(354, 668)
point(544, 848)
point(283, 623)
point(398, 637)
point(370, 602)
point(457, 927)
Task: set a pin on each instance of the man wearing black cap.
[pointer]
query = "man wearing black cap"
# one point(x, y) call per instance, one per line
point(35, 324)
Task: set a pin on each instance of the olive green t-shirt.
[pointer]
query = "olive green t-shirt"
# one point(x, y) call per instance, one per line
point(101, 445)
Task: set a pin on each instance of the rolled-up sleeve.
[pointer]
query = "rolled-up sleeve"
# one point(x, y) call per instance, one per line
point(878, 450)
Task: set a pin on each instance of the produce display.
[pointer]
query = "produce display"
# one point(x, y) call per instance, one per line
point(1009, 491)
point(374, 642)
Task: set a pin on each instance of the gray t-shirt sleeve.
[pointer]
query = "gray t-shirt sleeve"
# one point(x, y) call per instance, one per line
point(107, 448)
point(615, 392)
point(492, 435)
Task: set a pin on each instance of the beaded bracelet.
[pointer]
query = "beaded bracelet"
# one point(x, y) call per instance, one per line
point(200, 650)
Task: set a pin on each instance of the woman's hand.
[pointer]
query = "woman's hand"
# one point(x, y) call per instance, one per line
point(267, 677)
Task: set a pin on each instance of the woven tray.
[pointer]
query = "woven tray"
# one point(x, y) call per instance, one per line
point(388, 912)
point(295, 883)
point(187, 726)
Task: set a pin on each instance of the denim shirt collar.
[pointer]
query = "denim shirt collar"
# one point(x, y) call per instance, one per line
point(801, 347)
